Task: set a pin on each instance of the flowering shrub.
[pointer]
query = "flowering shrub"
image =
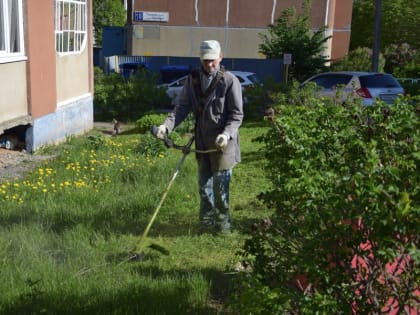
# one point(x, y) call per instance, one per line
point(346, 193)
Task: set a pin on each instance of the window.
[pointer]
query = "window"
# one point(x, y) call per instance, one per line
point(329, 81)
point(11, 30)
point(70, 25)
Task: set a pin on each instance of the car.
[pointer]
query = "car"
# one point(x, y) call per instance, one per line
point(247, 80)
point(369, 86)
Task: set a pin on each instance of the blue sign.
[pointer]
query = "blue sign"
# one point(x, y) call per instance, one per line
point(138, 16)
point(151, 16)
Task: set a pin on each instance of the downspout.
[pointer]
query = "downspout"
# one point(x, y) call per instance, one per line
point(273, 11)
point(328, 31)
point(227, 28)
point(191, 31)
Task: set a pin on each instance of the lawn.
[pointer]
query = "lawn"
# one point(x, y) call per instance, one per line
point(68, 228)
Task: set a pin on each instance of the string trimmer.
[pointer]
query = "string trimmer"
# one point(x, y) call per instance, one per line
point(138, 253)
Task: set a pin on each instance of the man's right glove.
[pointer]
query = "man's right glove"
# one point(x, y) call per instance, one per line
point(161, 132)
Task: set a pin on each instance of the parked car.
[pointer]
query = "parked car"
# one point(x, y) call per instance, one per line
point(369, 86)
point(247, 80)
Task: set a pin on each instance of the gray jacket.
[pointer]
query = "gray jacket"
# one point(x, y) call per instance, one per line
point(221, 112)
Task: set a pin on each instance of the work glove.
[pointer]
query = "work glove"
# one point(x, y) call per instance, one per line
point(161, 132)
point(221, 141)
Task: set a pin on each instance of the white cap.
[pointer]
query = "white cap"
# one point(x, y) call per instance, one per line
point(209, 50)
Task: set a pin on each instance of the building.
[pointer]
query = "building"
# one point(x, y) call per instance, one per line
point(175, 28)
point(46, 70)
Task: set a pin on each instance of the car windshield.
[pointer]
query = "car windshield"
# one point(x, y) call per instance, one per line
point(330, 80)
point(253, 78)
point(378, 80)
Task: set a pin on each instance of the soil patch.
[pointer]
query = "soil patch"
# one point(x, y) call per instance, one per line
point(15, 164)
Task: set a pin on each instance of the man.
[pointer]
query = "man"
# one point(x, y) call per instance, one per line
point(215, 97)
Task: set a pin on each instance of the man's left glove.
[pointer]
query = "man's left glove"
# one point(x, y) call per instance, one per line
point(221, 141)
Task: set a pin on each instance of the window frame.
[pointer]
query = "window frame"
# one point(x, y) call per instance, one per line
point(71, 32)
point(6, 55)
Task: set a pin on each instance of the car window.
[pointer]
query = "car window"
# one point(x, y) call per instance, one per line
point(253, 78)
point(378, 80)
point(328, 81)
point(178, 83)
point(241, 80)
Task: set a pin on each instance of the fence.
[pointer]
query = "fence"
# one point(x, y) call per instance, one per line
point(263, 68)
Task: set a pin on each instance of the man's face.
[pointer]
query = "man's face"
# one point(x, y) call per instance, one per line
point(211, 65)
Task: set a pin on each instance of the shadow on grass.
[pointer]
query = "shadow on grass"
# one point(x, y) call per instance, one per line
point(134, 298)
point(252, 157)
point(132, 220)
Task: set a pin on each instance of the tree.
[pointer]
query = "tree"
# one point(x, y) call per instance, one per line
point(292, 34)
point(107, 13)
point(359, 59)
point(400, 20)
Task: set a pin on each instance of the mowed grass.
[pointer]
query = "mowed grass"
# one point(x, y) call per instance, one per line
point(69, 227)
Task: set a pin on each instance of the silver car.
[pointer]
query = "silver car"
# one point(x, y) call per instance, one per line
point(369, 86)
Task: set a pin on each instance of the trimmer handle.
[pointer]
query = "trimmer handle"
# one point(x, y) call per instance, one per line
point(168, 142)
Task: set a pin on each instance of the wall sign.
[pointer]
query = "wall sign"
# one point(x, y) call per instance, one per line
point(147, 16)
point(287, 59)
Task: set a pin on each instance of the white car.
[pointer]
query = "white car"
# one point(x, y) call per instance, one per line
point(369, 86)
point(247, 80)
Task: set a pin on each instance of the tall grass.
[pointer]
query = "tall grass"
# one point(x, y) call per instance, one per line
point(68, 227)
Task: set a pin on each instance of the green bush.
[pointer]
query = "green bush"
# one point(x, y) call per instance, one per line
point(410, 86)
point(359, 59)
point(127, 99)
point(346, 194)
point(398, 57)
point(145, 123)
point(260, 97)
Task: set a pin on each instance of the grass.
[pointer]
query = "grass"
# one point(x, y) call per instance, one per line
point(67, 229)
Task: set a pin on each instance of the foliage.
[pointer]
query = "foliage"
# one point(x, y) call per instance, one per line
point(260, 97)
point(151, 147)
point(399, 57)
point(107, 13)
point(187, 126)
point(145, 123)
point(400, 20)
point(127, 99)
point(292, 34)
point(359, 59)
point(411, 86)
point(346, 194)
